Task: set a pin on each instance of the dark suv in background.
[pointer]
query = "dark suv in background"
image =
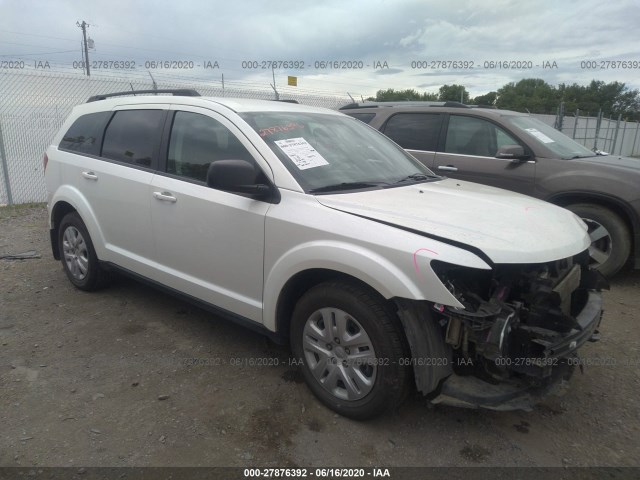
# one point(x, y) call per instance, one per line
point(517, 152)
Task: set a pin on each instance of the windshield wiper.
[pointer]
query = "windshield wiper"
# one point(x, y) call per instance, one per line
point(416, 177)
point(346, 186)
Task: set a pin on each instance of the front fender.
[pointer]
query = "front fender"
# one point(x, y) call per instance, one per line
point(374, 269)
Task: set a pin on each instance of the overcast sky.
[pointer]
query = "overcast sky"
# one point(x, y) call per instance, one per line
point(373, 32)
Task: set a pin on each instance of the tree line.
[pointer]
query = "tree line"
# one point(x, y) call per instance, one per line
point(534, 95)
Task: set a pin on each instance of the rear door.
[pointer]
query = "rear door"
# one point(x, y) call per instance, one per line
point(209, 243)
point(115, 175)
point(469, 150)
point(417, 133)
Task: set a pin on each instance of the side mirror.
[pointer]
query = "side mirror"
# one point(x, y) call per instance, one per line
point(237, 176)
point(515, 153)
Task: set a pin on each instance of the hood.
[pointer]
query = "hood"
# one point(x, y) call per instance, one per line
point(506, 226)
point(613, 161)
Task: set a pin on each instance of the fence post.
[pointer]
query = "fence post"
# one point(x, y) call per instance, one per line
point(633, 149)
point(598, 125)
point(624, 129)
point(607, 140)
point(559, 117)
point(615, 135)
point(575, 123)
point(5, 168)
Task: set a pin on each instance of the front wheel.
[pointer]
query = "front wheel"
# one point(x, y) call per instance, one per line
point(351, 346)
point(610, 238)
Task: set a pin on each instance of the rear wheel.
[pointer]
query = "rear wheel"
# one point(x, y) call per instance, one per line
point(610, 238)
point(350, 346)
point(78, 256)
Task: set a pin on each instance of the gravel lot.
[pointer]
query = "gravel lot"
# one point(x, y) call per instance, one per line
point(108, 379)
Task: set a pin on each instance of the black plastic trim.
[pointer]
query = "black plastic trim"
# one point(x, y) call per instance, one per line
point(55, 248)
point(183, 92)
point(588, 319)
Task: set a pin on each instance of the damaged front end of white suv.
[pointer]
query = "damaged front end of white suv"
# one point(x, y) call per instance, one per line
point(515, 338)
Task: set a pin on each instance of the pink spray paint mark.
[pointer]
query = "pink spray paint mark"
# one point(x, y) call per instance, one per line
point(415, 260)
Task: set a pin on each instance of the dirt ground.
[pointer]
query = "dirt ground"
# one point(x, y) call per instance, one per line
point(109, 379)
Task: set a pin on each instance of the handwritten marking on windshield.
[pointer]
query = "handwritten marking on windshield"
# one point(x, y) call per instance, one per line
point(264, 132)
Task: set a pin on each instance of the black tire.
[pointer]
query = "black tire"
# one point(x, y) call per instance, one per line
point(617, 246)
point(78, 256)
point(365, 312)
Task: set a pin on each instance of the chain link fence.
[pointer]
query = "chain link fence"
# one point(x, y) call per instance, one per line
point(33, 106)
point(612, 135)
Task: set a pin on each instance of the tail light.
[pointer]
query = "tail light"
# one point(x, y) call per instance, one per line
point(45, 160)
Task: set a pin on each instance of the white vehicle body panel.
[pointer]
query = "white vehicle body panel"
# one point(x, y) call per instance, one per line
point(507, 227)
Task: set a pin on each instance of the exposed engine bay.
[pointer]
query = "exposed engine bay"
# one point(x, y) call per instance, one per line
point(520, 328)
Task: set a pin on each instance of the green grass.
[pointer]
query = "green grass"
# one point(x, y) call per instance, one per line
point(19, 210)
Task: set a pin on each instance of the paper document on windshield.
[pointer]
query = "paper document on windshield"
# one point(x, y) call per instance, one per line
point(301, 153)
point(539, 135)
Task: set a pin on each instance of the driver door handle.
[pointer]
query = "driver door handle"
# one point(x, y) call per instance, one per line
point(90, 175)
point(448, 168)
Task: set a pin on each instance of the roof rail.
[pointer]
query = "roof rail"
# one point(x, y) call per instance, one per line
point(410, 103)
point(286, 100)
point(183, 92)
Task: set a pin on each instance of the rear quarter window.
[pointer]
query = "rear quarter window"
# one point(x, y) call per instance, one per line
point(85, 134)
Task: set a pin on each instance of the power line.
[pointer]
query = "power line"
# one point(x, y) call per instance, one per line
point(31, 54)
point(36, 35)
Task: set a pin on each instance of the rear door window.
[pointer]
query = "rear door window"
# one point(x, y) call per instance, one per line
point(414, 131)
point(132, 136)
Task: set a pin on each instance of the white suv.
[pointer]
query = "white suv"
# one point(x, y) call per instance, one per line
point(313, 228)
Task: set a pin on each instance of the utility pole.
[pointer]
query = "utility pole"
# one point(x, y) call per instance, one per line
point(84, 26)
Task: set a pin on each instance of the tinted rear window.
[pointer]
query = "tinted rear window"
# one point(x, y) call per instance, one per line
point(132, 136)
point(414, 131)
point(85, 135)
point(363, 117)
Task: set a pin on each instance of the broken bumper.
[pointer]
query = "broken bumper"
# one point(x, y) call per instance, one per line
point(555, 367)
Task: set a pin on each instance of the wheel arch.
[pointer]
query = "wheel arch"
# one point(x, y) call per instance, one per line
point(68, 199)
point(626, 213)
point(302, 282)
point(618, 206)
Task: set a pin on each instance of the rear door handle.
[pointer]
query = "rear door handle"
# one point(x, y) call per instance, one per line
point(448, 168)
point(90, 175)
point(165, 197)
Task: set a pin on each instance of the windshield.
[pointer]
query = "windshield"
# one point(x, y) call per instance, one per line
point(327, 152)
point(537, 131)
